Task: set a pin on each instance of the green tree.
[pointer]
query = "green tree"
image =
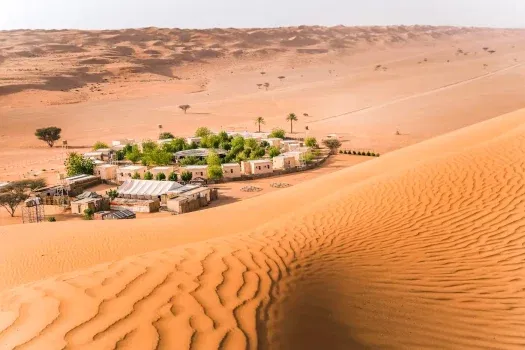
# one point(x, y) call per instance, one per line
point(251, 143)
point(277, 133)
point(202, 131)
point(185, 108)
point(172, 176)
point(158, 157)
point(136, 176)
point(14, 193)
point(291, 118)
point(134, 155)
point(215, 172)
point(176, 145)
point(49, 135)
point(166, 136)
point(160, 177)
point(148, 176)
point(149, 146)
point(99, 145)
point(186, 176)
point(332, 144)
point(273, 151)
point(213, 159)
point(257, 153)
point(112, 194)
point(76, 164)
point(238, 142)
point(223, 136)
point(88, 214)
point(311, 142)
point(191, 160)
point(259, 121)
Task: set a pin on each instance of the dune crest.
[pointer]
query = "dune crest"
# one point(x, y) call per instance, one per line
point(426, 256)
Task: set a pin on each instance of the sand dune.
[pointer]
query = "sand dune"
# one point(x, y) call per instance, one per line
point(427, 254)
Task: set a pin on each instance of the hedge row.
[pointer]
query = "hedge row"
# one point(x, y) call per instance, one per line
point(360, 153)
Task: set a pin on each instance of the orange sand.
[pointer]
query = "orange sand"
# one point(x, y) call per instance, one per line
point(421, 248)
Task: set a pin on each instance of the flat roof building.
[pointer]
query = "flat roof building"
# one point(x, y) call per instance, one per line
point(197, 171)
point(126, 172)
point(231, 170)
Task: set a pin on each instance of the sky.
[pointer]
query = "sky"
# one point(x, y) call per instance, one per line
point(113, 14)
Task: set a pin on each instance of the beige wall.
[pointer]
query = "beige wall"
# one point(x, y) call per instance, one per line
point(231, 172)
point(261, 168)
point(106, 173)
point(284, 163)
point(195, 173)
point(126, 174)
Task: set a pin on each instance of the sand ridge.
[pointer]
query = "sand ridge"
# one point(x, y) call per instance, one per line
point(426, 256)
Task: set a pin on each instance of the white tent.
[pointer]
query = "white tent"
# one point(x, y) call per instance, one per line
point(146, 189)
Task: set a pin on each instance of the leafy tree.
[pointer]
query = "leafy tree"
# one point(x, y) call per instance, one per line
point(99, 145)
point(273, 151)
point(238, 142)
point(185, 108)
point(14, 193)
point(223, 136)
point(213, 159)
point(136, 176)
point(76, 164)
point(259, 121)
point(186, 176)
point(191, 160)
point(176, 145)
point(291, 118)
point(158, 157)
point(134, 155)
point(88, 214)
point(264, 144)
point(277, 133)
point(160, 177)
point(251, 143)
point(332, 144)
point(210, 141)
point(166, 135)
point(202, 131)
point(225, 146)
point(172, 176)
point(215, 172)
point(148, 175)
point(192, 145)
point(112, 194)
point(311, 142)
point(49, 135)
point(149, 146)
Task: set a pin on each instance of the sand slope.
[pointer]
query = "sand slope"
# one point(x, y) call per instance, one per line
point(428, 254)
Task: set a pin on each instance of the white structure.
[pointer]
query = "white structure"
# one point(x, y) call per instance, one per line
point(274, 142)
point(197, 140)
point(122, 142)
point(283, 162)
point(257, 167)
point(146, 189)
point(231, 170)
point(166, 170)
point(163, 141)
point(96, 155)
point(126, 172)
point(106, 172)
point(197, 171)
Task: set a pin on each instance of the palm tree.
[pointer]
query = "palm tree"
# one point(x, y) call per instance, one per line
point(259, 121)
point(291, 118)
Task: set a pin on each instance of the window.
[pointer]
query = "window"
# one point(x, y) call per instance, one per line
point(231, 170)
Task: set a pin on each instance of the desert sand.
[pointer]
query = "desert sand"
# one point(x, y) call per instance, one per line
point(422, 248)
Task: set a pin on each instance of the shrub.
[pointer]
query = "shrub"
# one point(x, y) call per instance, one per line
point(51, 219)
point(354, 153)
point(277, 133)
point(341, 151)
point(308, 157)
point(311, 142)
point(134, 155)
point(215, 172)
point(149, 146)
point(273, 151)
point(186, 176)
point(48, 135)
point(368, 154)
point(202, 131)
point(99, 145)
point(172, 176)
point(191, 160)
point(332, 144)
point(136, 176)
point(358, 153)
point(148, 176)
point(373, 154)
point(213, 159)
point(157, 157)
point(76, 164)
point(264, 144)
point(176, 145)
point(112, 194)
point(166, 135)
point(160, 177)
point(377, 154)
point(88, 214)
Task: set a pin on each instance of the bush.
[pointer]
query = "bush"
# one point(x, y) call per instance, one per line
point(157, 157)
point(148, 176)
point(160, 177)
point(88, 214)
point(112, 194)
point(358, 153)
point(76, 164)
point(311, 142)
point(99, 145)
point(373, 154)
point(332, 144)
point(213, 159)
point(172, 176)
point(277, 133)
point(273, 151)
point(134, 155)
point(166, 135)
point(354, 153)
point(377, 154)
point(191, 160)
point(186, 176)
point(215, 172)
point(176, 145)
point(264, 144)
point(202, 131)
point(51, 219)
point(341, 151)
point(149, 146)
point(368, 154)
point(136, 176)
point(48, 135)
point(308, 157)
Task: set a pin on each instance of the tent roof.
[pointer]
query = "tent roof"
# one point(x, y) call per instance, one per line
point(147, 187)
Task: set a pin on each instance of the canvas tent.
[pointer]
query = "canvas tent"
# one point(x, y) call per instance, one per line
point(146, 189)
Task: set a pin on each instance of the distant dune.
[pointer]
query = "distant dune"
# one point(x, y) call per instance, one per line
point(421, 248)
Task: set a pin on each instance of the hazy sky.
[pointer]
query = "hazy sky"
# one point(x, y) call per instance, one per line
point(98, 14)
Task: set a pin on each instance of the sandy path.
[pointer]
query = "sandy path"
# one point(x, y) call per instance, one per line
point(427, 255)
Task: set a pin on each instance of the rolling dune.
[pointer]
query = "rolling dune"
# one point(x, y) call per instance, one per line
point(426, 254)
